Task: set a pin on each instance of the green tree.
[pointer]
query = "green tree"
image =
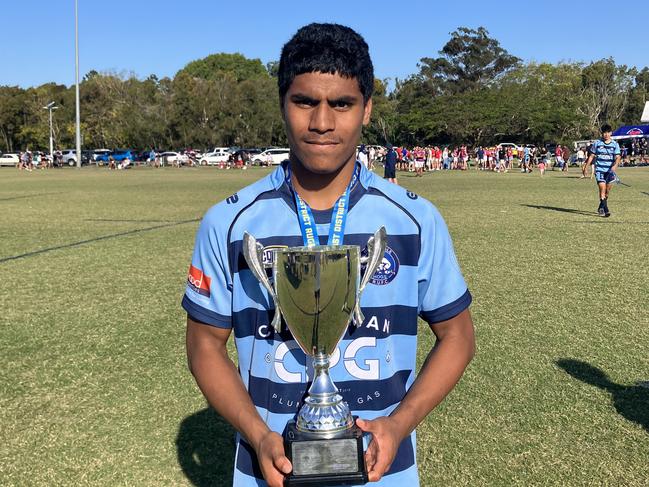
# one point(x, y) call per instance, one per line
point(605, 93)
point(240, 67)
point(638, 96)
point(541, 102)
point(11, 105)
point(470, 60)
point(381, 128)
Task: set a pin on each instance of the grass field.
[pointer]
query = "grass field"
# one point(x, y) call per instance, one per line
point(94, 388)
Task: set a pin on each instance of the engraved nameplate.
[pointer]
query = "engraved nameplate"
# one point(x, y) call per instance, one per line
point(324, 457)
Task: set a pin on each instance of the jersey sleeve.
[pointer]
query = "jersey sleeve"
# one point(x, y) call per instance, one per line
point(617, 149)
point(208, 294)
point(443, 292)
point(593, 148)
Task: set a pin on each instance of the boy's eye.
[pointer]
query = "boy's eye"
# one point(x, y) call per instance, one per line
point(340, 104)
point(306, 102)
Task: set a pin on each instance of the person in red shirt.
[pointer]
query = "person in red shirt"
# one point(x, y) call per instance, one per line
point(565, 153)
point(558, 155)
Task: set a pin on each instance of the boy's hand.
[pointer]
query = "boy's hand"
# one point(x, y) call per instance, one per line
point(383, 447)
point(273, 462)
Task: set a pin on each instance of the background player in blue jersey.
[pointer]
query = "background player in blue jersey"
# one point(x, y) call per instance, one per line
point(605, 155)
point(390, 172)
point(325, 83)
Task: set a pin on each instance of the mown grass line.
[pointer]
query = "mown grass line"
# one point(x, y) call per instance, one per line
point(96, 239)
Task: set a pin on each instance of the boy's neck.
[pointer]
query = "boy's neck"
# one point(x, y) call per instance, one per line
point(321, 191)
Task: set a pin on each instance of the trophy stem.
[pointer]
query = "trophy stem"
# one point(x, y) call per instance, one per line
point(322, 385)
point(324, 410)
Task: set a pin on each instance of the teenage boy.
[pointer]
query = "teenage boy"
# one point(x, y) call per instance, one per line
point(325, 83)
point(605, 155)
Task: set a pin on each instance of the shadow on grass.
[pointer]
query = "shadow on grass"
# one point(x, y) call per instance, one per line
point(631, 402)
point(205, 446)
point(562, 210)
point(26, 196)
point(108, 220)
point(608, 221)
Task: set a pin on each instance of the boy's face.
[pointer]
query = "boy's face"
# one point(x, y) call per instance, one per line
point(607, 135)
point(324, 115)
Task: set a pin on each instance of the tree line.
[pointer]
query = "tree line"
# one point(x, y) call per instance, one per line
point(472, 92)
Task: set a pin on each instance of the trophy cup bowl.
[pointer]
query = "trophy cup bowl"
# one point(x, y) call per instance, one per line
point(317, 290)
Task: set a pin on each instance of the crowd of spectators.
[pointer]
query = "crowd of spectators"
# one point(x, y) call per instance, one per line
point(501, 158)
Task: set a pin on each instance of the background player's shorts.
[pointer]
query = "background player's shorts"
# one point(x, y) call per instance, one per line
point(604, 177)
point(389, 173)
point(419, 164)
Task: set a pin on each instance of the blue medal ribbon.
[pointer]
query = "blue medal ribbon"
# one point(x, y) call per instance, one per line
point(338, 214)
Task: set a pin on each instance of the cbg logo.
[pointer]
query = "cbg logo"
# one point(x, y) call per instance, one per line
point(367, 369)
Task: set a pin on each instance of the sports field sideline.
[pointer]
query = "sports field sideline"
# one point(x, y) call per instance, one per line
point(94, 387)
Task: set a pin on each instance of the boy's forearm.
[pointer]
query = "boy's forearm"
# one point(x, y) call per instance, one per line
point(221, 384)
point(441, 371)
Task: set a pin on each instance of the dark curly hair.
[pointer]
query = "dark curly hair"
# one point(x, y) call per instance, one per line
point(326, 48)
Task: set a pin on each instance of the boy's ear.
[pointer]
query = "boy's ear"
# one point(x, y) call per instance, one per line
point(368, 112)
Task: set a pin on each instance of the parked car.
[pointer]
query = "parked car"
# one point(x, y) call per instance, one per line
point(252, 151)
point(86, 157)
point(172, 157)
point(272, 157)
point(120, 154)
point(98, 154)
point(217, 156)
point(144, 156)
point(69, 157)
point(9, 159)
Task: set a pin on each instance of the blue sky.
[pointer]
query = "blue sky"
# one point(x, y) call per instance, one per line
point(160, 37)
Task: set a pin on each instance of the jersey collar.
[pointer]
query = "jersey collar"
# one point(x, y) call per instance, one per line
point(278, 177)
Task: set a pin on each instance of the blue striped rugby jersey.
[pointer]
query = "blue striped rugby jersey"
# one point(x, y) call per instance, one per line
point(604, 154)
point(373, 365)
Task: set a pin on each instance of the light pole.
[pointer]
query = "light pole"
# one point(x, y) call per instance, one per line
point(51, 106)
point(76, 52)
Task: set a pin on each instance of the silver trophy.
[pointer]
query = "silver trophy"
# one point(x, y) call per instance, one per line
point(317, 290)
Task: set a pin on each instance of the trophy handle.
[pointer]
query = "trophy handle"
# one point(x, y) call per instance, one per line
point(253, 253)
point(375, 249)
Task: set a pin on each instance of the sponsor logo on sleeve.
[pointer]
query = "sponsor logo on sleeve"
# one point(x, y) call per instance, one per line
point(198, 281)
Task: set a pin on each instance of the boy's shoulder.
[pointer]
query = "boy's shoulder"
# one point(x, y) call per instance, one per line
point(223, 213)
point(417, 206)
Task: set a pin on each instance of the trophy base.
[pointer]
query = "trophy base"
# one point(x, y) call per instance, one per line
point(336, 460)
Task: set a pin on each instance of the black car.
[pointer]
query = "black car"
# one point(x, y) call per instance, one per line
point(86, 157)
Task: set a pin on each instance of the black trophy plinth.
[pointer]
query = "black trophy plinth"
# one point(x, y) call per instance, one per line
point(317, 461)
